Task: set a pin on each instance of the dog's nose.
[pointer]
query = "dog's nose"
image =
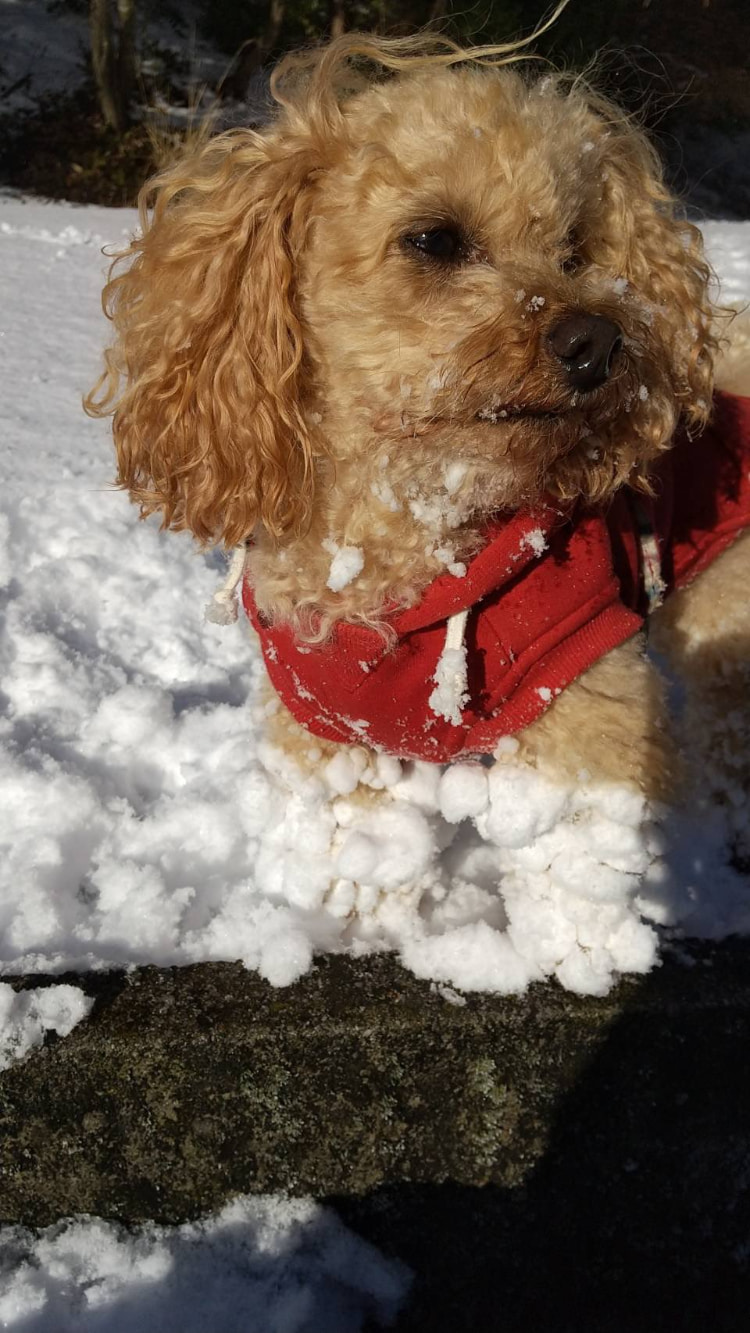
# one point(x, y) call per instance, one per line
point(587, 346)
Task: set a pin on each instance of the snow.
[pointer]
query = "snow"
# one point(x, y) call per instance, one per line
point(450, 695)
point(144, 816)
point(261, 1265)
point(347, 563)
point(25, 1017)
point(535, 540)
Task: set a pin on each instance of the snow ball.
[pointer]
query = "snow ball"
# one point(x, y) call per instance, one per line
point(344, 770)
point(622, 846)
point(585, 973)
point(620, 286)
point(463, 792)
point(391, 846)
point(507, 745)
point(538, 928)
point(642, 393)
point(388, 769)
point(545, 693)
point(347, 563)
point(419, 784)
point(633, 945)
point(576, 870)
point(445, 554)
point(587, 147)
point(520, 294)
point(473, 957)
point(536, 303)
point(621, 804)
point(523, 805)
point(285, 957)
point(358, 858)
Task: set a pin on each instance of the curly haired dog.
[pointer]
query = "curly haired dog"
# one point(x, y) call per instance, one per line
point(422, 318)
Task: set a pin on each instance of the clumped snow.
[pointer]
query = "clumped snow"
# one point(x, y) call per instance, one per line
point(451, 694)
point(535, 541)
point(144, 817)
point(347, 563)
point(262, 1265)
point(25, 1017)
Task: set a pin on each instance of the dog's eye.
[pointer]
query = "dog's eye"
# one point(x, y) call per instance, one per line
point(444, 244)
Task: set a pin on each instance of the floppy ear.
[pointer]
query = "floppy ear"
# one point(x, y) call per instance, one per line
point(662, 258)
point(205, 378)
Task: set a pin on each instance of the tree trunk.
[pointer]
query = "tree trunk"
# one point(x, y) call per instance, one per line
point(251, 55)
point(113, 57)
point(274, 25)
point(126, 53)
point(338, 17)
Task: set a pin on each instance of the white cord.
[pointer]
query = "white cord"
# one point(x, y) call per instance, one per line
point(222, 609)
point(451, 692)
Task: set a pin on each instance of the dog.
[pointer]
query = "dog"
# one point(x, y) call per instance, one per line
point(435, 352)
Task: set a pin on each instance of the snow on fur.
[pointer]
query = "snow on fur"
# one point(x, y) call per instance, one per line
point(144, 818)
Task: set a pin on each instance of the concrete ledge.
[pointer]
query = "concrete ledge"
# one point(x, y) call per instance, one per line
point(188, 1085)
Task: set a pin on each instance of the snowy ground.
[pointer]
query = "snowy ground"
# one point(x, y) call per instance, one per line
point(262, 1265)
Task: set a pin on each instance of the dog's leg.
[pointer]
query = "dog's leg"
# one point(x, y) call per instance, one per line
point(703, 633)
point(572, 803)
point(355, 831)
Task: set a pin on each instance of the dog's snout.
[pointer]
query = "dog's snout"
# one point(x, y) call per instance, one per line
point(586, 345)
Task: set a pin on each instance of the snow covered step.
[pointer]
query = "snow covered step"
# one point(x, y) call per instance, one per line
point(185, 1087)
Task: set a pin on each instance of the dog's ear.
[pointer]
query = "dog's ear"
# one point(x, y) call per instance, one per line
point(661, 256)
point(205, 378)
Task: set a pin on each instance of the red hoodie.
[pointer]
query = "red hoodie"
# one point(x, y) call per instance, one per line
point(550, 592)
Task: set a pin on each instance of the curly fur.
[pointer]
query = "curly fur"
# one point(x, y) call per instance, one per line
point(284, 370)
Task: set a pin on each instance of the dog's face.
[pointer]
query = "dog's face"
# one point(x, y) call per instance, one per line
point(488, 280)
point(457, 267)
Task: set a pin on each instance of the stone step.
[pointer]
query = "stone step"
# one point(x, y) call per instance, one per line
point(517, 1152)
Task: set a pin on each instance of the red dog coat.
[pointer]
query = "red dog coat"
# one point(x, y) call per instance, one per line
point(549, 593)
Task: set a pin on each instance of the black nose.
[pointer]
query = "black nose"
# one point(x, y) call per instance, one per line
point(587, 346)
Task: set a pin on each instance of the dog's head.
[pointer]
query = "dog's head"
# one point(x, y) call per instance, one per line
point(455, 266)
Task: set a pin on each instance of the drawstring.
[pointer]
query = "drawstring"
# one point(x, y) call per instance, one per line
point(653, 583)
point(454, 638)
point(451, 692)
point(222, 609)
